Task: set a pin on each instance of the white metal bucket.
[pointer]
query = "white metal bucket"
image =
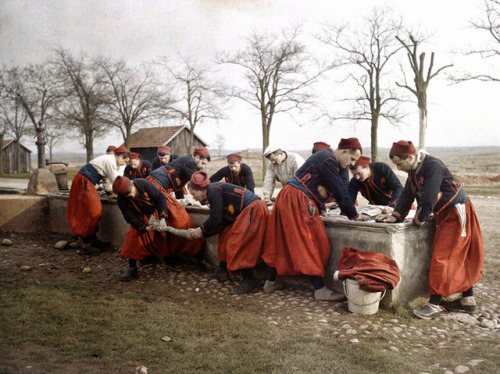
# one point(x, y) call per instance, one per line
point(360, 301)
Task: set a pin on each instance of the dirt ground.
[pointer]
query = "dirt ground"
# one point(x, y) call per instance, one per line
point(187, 281)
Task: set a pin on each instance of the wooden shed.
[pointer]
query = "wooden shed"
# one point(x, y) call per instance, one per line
point(146, 141)
point(9, 157)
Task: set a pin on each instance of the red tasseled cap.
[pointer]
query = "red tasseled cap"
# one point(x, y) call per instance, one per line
point(121, 150)
point(111, 148)
point(199, 180)
point(121, 185)
point(163, 149)
point(350, 143)
point(363, 161)
point(319, 146)
point(403, 148)
point(201, 152)
point(234, 157)
point(134, 156)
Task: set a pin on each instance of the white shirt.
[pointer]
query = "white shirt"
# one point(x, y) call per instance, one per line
point(281, 173)
point(107, 168)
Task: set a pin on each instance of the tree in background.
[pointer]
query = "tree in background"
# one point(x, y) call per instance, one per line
point(12, 112)
point(219, 142)
point(135, 98)
point(54, 135)
point(366, 53)
point(84, 95)
point(278, 73)
point(195, 97)
point(3, 131)
point(421, 78)
point(490, 25)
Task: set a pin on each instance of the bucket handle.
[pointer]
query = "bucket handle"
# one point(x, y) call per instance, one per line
point(345, 292)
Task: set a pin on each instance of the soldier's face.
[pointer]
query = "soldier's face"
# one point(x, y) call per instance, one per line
point(405, 165)
point(134, 164)
point(120, 160)
point(276, 158)
point(234, 166)
point(361, 173)
point(199, 195)
point(201, 163)
point(164, 158)
point(347, 158)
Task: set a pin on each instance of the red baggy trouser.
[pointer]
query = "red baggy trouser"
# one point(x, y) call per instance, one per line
point(457, 261)
point(84, 208)
point(296, 241)
point(139, 245)
point(179, 218)
point(240, 244)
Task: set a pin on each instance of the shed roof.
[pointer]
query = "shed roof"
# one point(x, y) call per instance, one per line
point(156, 136)
point(6, 142)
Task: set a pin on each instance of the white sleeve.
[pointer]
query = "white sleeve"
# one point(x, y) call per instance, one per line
point(269, 182)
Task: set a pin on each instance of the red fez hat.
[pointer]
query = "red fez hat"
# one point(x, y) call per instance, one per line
point(121, 150)
point(234, 157)
point(163, 149)
point(121, 185)
point(201, 152)
point(319, 146)
point(199, 180)
point(350, 143)
point(363, 161)
point(111, 148)
point(403, 148)
point(134, 156)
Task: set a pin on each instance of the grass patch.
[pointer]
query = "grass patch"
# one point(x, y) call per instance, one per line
point(15, 175)
point(63, 326)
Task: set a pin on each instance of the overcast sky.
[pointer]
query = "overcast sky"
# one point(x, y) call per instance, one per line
point(459, 115)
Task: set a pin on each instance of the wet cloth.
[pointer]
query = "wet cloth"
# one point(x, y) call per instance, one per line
point(373, 271)
point(84, 208)
point(457, 260)
point(240, 244)
point(178, 218)
point(296, 240)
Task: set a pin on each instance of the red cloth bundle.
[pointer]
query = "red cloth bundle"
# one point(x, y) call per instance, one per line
point(373, 271)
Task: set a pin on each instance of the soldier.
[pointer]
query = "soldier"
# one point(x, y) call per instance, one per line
point(235, 173)
point(163, 157)
point(137, 168)
point(457, 250)
point(240, 218)
point(84, 205)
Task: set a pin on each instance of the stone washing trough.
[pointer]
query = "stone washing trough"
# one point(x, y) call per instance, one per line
point(409, 246)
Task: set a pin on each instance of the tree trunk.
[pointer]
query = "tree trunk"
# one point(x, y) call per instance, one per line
point(127, 138)
point(50, 153)
point(1, 154)
point(191, 140)
point(18, 156)
point(265, 144)
point(422, 112)
point(374, 138)
point(89, 145)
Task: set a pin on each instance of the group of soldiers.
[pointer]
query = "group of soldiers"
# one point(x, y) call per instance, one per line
point(291, 240)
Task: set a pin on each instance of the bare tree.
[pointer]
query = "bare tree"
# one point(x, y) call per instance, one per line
point(11, 110)
point(366, 53)
point(491, 50)
point(421, 79)
point(54, 135)
point(279, 74)
point(3, 131)
point(219, 142)
point(195, 96)
point(85, 95)
point(135, 98)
